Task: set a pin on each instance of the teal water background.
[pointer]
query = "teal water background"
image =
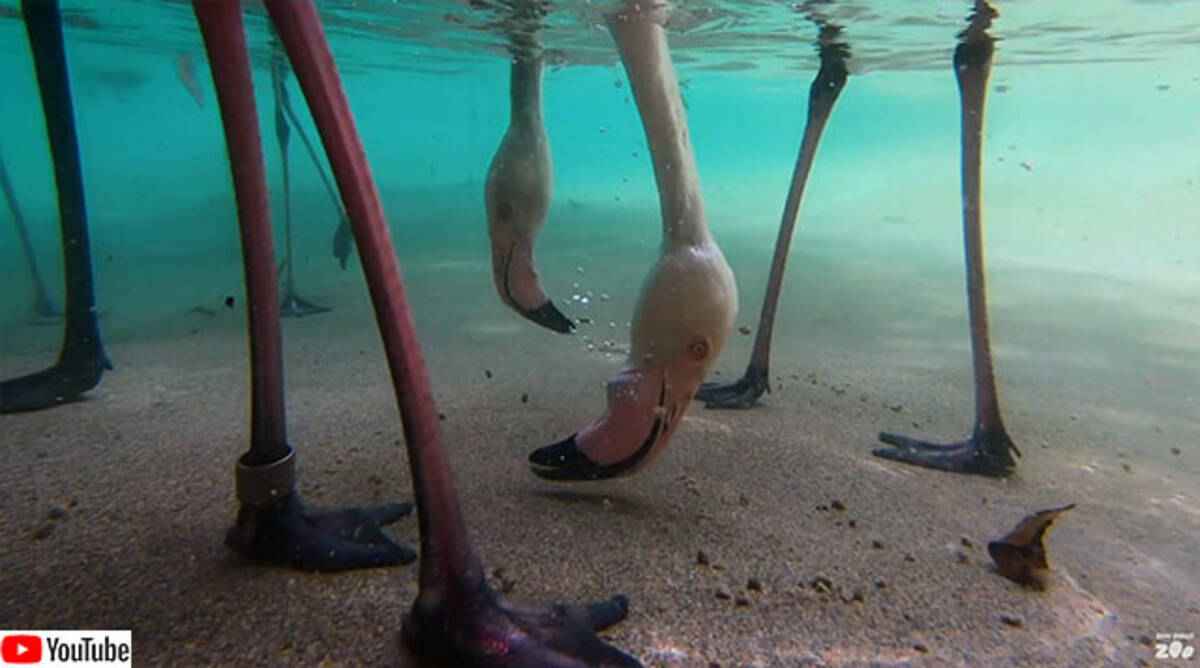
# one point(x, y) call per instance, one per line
point(1100, 102)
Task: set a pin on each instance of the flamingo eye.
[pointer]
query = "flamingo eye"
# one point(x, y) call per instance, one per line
point(698, 349)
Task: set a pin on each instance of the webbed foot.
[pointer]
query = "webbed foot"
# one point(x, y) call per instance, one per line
point(295, 306)
point(324, 540)
point(482, 629)
point(742, 393)
point(985, 453)
point(59, 384)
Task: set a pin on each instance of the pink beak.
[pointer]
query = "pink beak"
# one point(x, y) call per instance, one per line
point(644, 408)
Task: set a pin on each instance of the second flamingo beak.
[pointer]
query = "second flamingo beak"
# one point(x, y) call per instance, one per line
point(516, 280)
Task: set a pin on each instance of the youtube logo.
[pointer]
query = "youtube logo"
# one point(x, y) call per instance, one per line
point(21, 649)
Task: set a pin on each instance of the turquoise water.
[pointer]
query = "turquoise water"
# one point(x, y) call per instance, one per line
point(1091, 200)
point(1101, 101)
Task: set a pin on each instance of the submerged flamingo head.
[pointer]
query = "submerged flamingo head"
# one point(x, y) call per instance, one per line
point(683, 320)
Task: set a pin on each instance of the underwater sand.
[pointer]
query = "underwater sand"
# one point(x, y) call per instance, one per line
point(1099, 383)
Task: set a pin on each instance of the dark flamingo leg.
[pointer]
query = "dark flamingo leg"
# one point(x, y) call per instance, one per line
point(293, 304)
point(273, 524)
point(457, 619)
point(44, 309)
point(989, 450)
point(81, 360)
point(822, 95)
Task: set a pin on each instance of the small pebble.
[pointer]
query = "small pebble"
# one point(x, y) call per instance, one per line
point(961, 556)
point(56, 514)
point(585, 321)
point(72, 502)
point(442, 417)
point(1146, 640)
point(487, 372)
point(229, 302)
point(856, 596)
point(741, 601)
point(896, 408)
point(966, 542)
point(43, 531)
point(837, 505)
point(744, 330)
point(723, 593)
point(921, 648)
point(1176, 451)
point(851, 522)
point(821, 584)
point(1127, 468)
point(702, 558)
point(1015, 622)
point(743, 499)
point(877, 544)
point(524, 397)
point(909, 557)
point(880, 584)
point(754, 584)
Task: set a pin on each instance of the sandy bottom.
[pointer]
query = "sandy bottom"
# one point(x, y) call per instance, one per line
point(1101, 379)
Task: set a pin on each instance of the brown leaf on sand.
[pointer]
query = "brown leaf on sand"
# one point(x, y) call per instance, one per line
point(1020, 555)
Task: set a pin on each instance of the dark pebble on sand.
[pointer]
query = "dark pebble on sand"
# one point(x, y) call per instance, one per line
point(229, 302)
point(920, 647)
point(909, 557)
point(880, 584)
point(743, 500)
point(744, 330)
point(1146, 640)
point(487, 372)
point(966, 542)
point(754, 584)
point(741, 602)
point(1015, 622)
point(851, 522)
point(72, 502)
point(702, 558)
point(442, 417)
point(723, 593)
point(56, 513)
point(1127, 468)
point(585, 321)
point(42, 532)
point(837, 505)
point(877, 544)
point(1176, 451)
point(524, 397)
point(374, 480)
point(896, 408)
point(961, 556)
point(856, 596)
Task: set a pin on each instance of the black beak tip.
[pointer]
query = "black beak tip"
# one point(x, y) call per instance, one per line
point(547, 315)
point(564, 461)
